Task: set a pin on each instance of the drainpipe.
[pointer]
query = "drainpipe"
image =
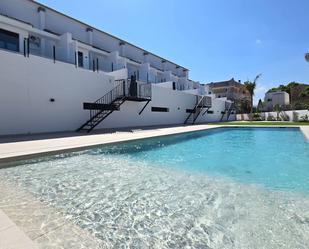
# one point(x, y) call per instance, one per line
point(122, 46)
point(42, 24)
point(90, 35)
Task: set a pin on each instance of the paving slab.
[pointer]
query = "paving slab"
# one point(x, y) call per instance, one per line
point(10, 151)
point(11, 237)
point(305, 130)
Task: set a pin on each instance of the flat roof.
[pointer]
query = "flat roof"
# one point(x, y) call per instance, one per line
point(120, 40)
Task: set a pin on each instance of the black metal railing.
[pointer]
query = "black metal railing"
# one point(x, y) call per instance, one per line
point(115, 94)
point(111, 101)
point(229, 108)
point(201, 102)
point(138, 89)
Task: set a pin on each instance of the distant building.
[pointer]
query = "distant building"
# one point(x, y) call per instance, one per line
point(230, 89)
point(280, 98)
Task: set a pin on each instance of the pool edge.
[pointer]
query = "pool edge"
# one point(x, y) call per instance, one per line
point(79, 143)
point(74, 144)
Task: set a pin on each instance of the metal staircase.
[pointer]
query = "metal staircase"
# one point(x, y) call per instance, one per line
point(229, 108)
point(201, 103)
point(126, 90)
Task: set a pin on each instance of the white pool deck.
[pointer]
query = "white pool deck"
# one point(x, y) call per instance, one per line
point(23, 147)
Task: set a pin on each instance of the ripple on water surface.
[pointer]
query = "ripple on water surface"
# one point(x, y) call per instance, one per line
point(135, 204)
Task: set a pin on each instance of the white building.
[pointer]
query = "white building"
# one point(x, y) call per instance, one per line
point(280, 98)
point(53, 68)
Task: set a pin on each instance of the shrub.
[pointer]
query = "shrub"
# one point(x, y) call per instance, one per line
point(284, 116)
point(256, 117)
point(304, 118)
point(270, 117)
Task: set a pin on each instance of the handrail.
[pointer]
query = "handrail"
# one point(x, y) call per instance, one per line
point(110, 97)
point(195, 108)
point(124, 90)
point(200, 109)
point(227, 110)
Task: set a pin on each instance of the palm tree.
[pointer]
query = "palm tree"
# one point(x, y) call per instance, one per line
point(250, 87)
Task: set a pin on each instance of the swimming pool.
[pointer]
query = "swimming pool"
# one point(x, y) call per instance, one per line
point(224, 188)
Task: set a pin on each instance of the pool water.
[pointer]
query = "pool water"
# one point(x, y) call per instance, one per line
point(277, 158)
point(225, 188)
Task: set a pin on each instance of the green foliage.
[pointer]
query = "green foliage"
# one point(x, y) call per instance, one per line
point(260, 106)
point(250, 87)
point(304, 118)
point(257, 117)
point(270, 117)
point(284, 116)
point(284, 88)
point(303, 94)
point(248, 123)
point(243, 106)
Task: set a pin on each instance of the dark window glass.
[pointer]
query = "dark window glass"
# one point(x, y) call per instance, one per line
point(9, 40)
point(159, 109)
point(80, 59)
point(190, 111)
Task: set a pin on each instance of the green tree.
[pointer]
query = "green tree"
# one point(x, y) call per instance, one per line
point(260, 106)
point(250, 87)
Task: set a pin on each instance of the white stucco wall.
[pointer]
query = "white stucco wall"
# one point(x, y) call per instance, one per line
point(300, 113)
point(28, 11)
point(28, 84)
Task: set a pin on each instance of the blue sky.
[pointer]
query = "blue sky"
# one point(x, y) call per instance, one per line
point(215, 39)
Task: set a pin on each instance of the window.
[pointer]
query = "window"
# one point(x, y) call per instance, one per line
point(80, 59)
point(190, 111)
point(159, 109)
point(210, 112)
point(9, 40)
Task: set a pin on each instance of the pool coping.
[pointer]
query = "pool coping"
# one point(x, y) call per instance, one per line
point(28, 149)
point(32, 148)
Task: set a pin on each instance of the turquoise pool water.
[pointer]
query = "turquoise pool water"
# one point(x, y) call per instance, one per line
point(274, 157)
point(225, 188)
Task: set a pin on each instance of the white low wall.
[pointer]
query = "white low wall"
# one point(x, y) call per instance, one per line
point(290, 114)
point(28, 84)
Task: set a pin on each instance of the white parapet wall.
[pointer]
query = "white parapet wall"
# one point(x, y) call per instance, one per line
point(293, 115)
